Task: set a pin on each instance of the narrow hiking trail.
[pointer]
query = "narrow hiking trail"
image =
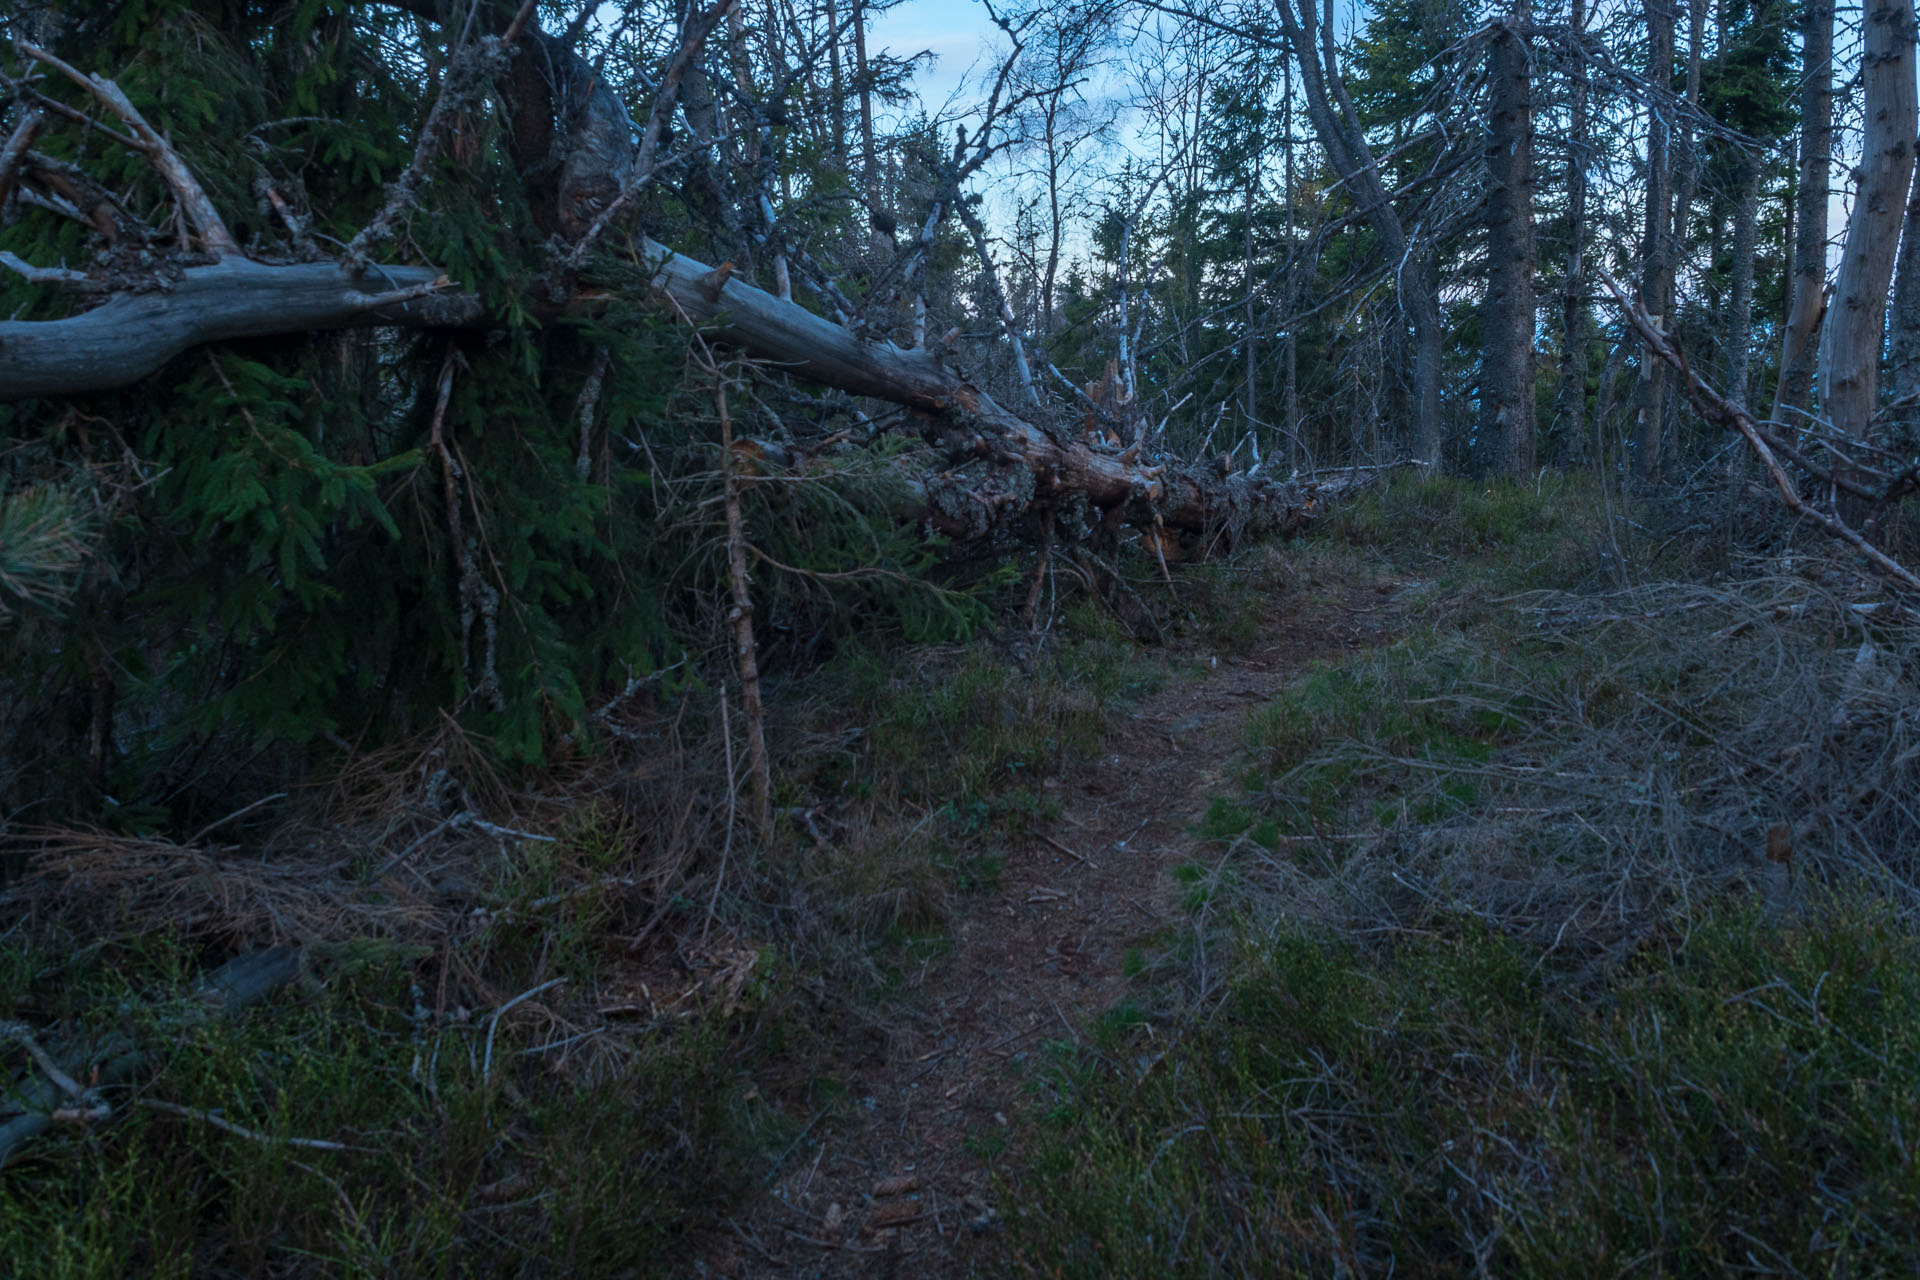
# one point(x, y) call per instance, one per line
point(909, 1191)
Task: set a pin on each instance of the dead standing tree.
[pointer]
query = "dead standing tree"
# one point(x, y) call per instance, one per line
point(1339, 128)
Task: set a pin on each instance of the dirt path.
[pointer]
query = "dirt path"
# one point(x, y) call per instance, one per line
point(908, 1193)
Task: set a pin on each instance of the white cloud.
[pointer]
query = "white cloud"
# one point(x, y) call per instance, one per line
point(956, 31)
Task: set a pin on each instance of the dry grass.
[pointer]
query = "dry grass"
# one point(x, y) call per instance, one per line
point(424, 844)
point(1574, 931)
point(1575, 767)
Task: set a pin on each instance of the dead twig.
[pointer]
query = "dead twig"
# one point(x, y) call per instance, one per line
point(195, 206)
point(1077, 857)
point(1714, 407)
point(23, 1034)
point(469, 72)
point(213, 1119)
point(493, 1028)
point(16, 146)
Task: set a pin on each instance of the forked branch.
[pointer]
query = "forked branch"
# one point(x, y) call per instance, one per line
point(195, 207)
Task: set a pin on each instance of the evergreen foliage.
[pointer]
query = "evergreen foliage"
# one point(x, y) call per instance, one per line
point(337, 538)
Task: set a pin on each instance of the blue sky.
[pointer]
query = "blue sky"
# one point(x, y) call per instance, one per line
point(955, 31)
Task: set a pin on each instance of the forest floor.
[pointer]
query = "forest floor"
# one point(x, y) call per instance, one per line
point(1485, 881)
point(913, 1186)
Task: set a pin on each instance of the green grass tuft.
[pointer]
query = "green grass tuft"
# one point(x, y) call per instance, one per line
point(1742, 1095)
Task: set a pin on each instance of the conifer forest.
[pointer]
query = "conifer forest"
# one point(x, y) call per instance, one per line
point(896, 638)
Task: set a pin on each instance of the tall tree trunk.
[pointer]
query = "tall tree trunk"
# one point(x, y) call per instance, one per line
point(1656, 281)
point(1250, 340)
point(1570, 407)
point(746, 651)
point(1338, 127)
point(1850, 373)
point(837, 108)
point(1807, 297)
point(1507, 359)
point(1056, 222)
point(1746, 238)
point(1292, 295)
point(1420, 297)
point(869, 153)
point(1903, 354)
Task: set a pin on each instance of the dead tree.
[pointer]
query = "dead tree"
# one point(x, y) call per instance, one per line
point(1852, 485)
point(131, 324)
point(1338, 125)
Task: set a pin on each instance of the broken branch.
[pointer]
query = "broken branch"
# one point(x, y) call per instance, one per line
point(194, 203)
point(1716, 408)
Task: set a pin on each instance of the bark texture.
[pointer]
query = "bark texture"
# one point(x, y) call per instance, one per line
point(1850, 364)
point(1807, 303)
point(966, 420)
point(1507, 359)
point(133, 334)
point(1903, 349)
point(1570, 404)
point(1656, 280)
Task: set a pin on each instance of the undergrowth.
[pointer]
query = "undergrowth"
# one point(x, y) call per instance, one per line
point(928, 763)
point(467, 1144)
point(1569, 932)
point(1741, 1097)
point(1569, 756)
point(560, 1027)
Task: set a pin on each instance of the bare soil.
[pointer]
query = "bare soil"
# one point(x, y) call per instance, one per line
point(913, 1188)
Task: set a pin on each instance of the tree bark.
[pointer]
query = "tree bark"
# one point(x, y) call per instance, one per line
point(1507, 358)
point(1746, 219)
point(967, 418)
point(1903, 352)
point(869, 154)
point(1345, 141)
point(837, 108)
point(1850, 373)
point(1656, 281)
point(746, 652)
point(133, 335)
point(1570, 408)
point(1806, 303)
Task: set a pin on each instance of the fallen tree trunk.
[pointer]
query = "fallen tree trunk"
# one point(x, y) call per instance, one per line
point(967, 421)
point(133, 335)
point(1013, 463)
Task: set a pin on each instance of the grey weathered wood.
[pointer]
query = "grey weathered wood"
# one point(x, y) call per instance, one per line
point(132, 335)
point(789, 336)
point(234, 986)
